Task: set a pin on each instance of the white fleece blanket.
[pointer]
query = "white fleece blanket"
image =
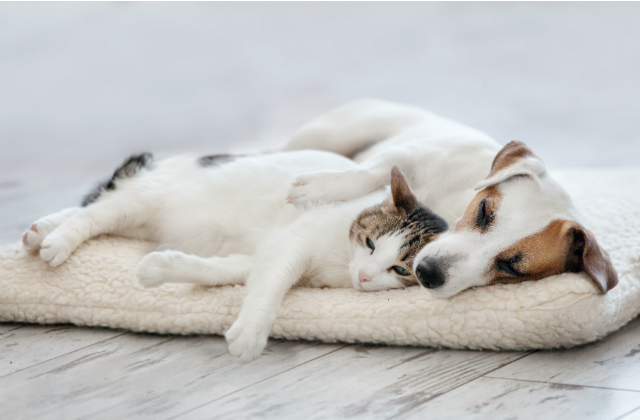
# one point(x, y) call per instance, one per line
point(97, 287)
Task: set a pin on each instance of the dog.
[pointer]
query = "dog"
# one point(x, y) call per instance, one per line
point(511, 221)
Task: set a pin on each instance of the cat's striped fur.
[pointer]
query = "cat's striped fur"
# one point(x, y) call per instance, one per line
point(403, 216)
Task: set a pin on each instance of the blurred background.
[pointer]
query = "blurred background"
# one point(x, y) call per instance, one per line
point(82, 85)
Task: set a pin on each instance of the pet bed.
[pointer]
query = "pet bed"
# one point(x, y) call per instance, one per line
point(97, 287)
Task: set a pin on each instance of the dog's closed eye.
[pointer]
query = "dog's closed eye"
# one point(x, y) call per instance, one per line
point(508, 266)
point(484, 217)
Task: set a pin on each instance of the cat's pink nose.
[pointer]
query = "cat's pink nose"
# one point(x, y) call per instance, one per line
point(362, 276)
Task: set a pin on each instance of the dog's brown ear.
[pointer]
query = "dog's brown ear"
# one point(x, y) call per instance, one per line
point(585, 254)
point(514, 159)
point(403, 197)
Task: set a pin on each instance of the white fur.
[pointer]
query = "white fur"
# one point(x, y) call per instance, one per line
point(445, 163)
point(443, 160)
point(222, 225)
point(238, 208)
point(97, 287)
point(375, 264)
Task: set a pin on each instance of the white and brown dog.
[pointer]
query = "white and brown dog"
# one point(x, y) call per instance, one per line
point(512, 225)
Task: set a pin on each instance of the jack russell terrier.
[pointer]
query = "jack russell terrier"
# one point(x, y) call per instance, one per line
point(511, 221)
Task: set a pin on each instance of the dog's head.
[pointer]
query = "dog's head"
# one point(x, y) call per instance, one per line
point(522, 225)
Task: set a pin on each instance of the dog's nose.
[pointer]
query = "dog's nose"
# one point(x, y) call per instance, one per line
point(429, 273)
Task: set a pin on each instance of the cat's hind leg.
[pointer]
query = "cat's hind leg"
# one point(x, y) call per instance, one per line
point(116, 213)
point(36, 233)
point(158, 268)
point(128, 200)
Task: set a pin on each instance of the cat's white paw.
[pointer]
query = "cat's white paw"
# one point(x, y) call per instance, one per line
point(55, 250)
point(156, 268)
point(325, 187)
point(247, 341)
point(316, 187)
point(33, 237)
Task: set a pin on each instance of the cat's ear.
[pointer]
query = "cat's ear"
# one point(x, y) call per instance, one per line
point(403, 197)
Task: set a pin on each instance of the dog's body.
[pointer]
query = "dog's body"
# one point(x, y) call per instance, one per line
point(442, 159)
point(521, 225)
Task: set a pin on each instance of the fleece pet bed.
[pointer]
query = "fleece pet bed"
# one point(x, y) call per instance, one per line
point(97, 287)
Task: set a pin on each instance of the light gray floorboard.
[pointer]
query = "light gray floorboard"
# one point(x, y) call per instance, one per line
point(610, 363)
point(9, 326)
point(143, 376)
point(22, 347)
point(497, 399)
point(634, 415)
point(357, 382)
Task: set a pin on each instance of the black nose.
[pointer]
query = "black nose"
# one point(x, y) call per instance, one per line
point(429, 273)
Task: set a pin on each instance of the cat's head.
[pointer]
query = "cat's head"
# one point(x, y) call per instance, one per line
point(388, 237)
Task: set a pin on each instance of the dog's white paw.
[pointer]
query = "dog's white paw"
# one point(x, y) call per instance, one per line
point(247, 341)
point(55, 250)
point(156, 268)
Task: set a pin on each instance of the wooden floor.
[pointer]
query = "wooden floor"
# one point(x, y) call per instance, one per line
point(65, 372)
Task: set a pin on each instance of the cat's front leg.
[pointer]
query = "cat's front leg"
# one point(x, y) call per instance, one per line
point(248, 337)
point(158, 268)
point(279, 265)
point(330, 186)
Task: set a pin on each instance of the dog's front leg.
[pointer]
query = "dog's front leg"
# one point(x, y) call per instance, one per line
point(330, 186)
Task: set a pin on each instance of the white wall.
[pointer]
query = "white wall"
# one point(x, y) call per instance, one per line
point(84, 84)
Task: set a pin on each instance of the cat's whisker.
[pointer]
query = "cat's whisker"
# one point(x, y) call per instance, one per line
point(366, 230)
point(375, 216)
point(346, 260)
point(334, 273)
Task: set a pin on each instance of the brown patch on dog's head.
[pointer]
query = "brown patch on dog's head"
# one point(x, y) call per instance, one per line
point(514, 159)
point(509, 154)
point(562, 247)
point(480, 213)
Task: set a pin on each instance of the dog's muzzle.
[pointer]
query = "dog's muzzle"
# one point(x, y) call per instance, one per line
point(430, 273)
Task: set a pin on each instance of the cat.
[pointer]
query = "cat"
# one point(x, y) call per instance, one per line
point(225, 221)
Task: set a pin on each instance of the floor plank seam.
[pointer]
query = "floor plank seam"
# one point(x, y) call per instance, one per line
point(18, 327)
point(62, 355)
point(625, 415)
point(255, 383)
point(464, 383)
point(563, 384)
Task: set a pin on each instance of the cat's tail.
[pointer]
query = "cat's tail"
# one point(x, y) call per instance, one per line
point(129, 168)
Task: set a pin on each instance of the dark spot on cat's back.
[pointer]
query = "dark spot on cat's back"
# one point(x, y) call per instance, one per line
point(217, 160)
point(128, 169)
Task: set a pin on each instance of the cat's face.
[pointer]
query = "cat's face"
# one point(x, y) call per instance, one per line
point(388, 237)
